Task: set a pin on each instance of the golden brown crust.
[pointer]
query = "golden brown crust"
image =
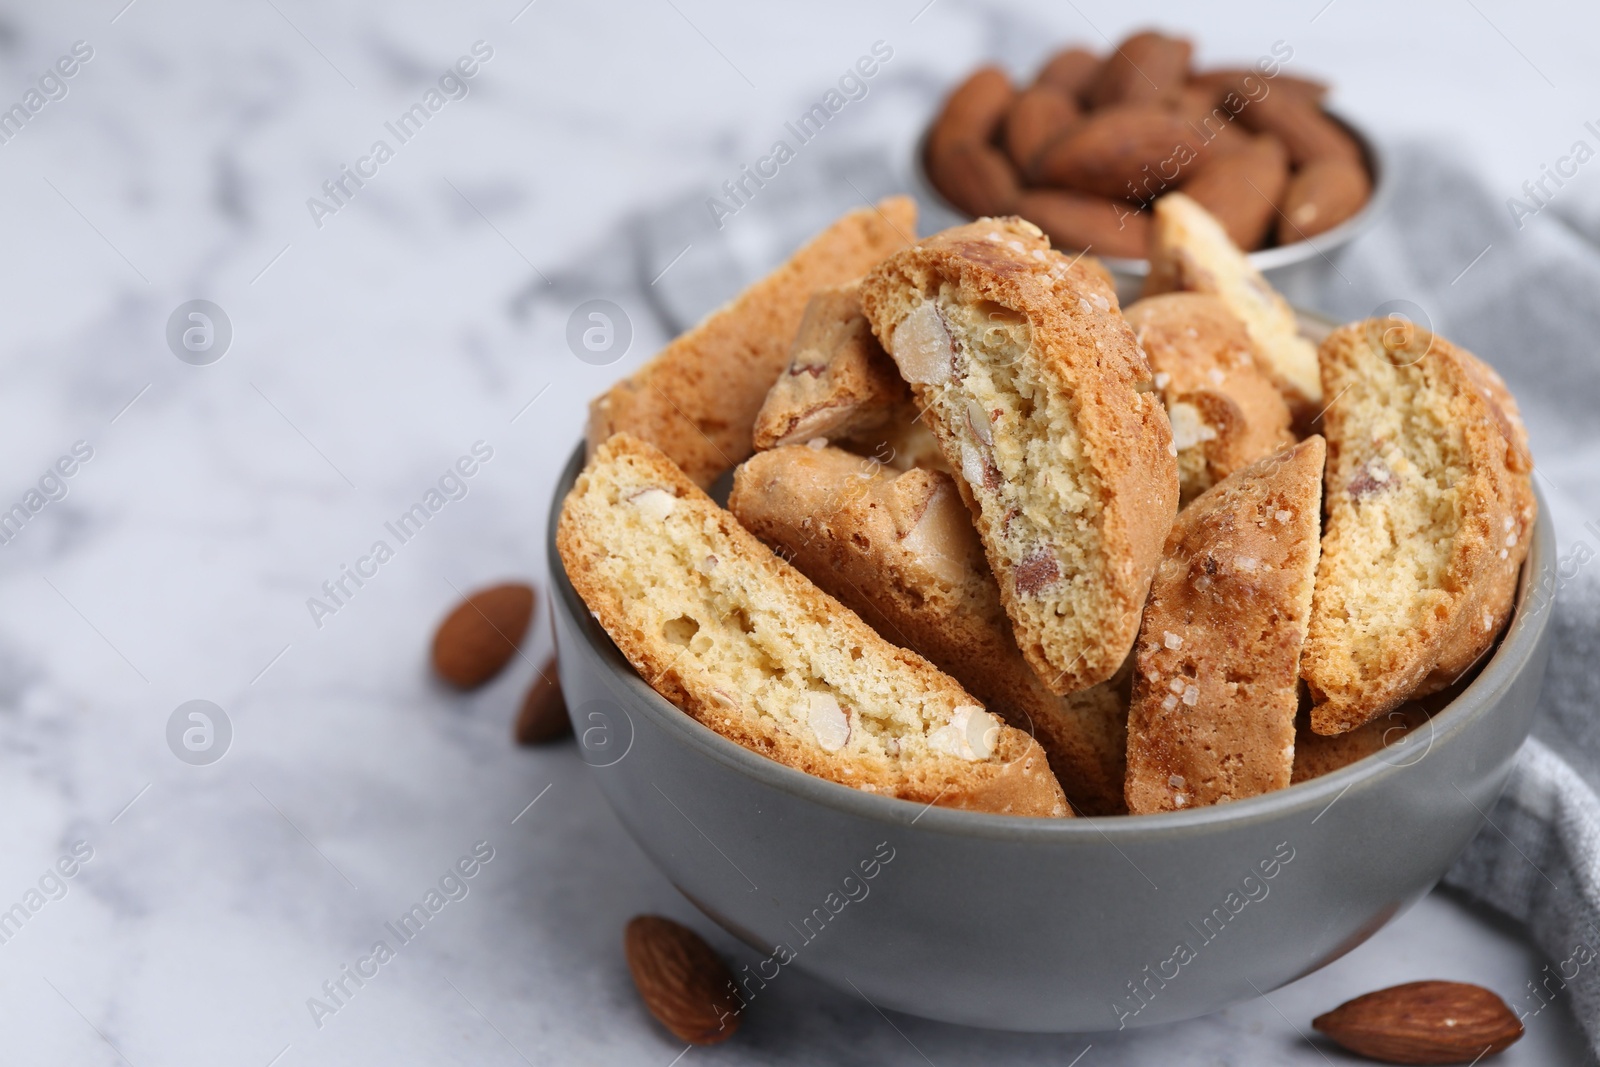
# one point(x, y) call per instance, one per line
point(1316, 755)
point(744, 643)
point(900, 550)
point(697, 399)
point(1216, 685)
point(1190, 252)
point(1071, 478)
point(1429, 514)
point(1224, 410)
point(839, 381)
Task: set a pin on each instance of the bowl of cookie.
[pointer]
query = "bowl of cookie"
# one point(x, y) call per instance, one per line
point(1006, 656)
point(1093, 141)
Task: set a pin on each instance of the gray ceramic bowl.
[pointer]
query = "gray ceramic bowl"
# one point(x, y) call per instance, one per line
point(1041, 924)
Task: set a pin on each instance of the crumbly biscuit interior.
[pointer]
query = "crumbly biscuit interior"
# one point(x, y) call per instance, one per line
point(748, 645)
point(1022, 455)
point(1207, 253)
point(1401, 459)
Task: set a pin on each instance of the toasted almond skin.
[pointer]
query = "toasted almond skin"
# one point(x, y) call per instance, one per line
point(681, 979)
point(1305, 130)
point(543, 716)
point(975, 178)
point(1320, 196)
point(481, 634)
point(1224, 78)
point(1038, 117)
point(972, 112)
point(1423, 1023)
point(1069, 71)
point(1108, 152)
point(1215, 131)
point(1082, 221)
point(1243, 189)
point(1148, 67)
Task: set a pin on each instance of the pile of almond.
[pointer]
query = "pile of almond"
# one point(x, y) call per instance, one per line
point(1094, 141)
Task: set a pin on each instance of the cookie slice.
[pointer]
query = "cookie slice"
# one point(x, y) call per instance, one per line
point(1191, 252)
point(1040, 399)
point(697, 399)
point(1224, 410)
point(899, 549)
point(1316, 755)
point(1429, 510)
point(748, 646)
point(1216, 686)
point(841, 385)
point(839, 381)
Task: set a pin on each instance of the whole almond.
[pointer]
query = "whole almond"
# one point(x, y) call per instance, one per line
point(1095, 224)
point(1070, 71)
point(543, 717)
point(1303, 127)
point(1226, 77)
point(1423, 1023)
point(1146, 68)
point(681, 980)
point(1213, 126)
point(1037, 117)
point(975, 178)
point(482, 633)
point(1243, 189)
point(1320, 196)
point(1124, 151)
point(972, 112)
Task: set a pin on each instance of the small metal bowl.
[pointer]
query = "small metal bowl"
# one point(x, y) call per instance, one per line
point(1286, 266)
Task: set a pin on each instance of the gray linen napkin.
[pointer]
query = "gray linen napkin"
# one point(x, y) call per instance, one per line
point(1446, 251)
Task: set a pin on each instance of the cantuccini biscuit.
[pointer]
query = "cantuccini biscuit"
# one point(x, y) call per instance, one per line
point(841, 386)
point(1037, 392)
point(1316, 755)
point(1429, 510)
point(839, 381)
point(1224, 410)
point(1216, 684)
point(697, 399)
point(748, 646)
point(1190, 251)
point(900, 549)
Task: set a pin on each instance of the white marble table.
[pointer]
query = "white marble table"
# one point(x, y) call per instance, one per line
point(367, 354)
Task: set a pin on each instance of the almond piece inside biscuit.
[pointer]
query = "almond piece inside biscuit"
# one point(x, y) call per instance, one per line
point(828, 721)
point(922, 348)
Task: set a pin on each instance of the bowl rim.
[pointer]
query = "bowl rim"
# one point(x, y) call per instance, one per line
point(1481, 697)
point(1373, 153)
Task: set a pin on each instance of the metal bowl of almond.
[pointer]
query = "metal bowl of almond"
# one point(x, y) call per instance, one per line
point(1087, 146)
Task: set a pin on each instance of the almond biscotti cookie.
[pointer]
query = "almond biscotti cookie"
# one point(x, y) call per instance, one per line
point(1190, 251)
point(1429, 511)
point(1225, 412)
point(841, 385)
point(1040, 399)
point(1316, 755)
point(697, 399)
point(900, 550)
point(839, 381)
point(1216, 686)
point(744, 643)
